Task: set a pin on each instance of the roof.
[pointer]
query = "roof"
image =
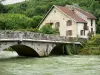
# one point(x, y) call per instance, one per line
point(89, 15)
point(71, 14)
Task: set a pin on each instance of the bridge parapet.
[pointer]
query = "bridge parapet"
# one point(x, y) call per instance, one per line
point(19, 35)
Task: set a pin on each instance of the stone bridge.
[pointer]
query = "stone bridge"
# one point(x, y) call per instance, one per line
point(35, 44)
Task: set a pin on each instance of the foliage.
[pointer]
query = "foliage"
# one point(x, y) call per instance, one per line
point(9, 49)
point(47, 29)
point(1, 0)
point(33, 8)
point(3, 8)
point(36, 20)
point(92, 46)
point(28, 29)
point(14, 21)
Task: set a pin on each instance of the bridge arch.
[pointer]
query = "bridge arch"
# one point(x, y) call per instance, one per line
point(24, 50)
point(21, 49)
point(59, 49)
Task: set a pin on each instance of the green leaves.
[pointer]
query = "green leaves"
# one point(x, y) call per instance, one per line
point(3, 8)
point(14, 21)
point(33, 8)
point(47, 29)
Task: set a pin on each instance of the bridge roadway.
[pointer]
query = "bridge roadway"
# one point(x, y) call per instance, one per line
point(35, 44)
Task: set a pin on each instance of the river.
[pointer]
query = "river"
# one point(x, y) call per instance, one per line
point(12, 64)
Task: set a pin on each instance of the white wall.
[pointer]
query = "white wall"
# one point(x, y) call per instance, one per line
point(93, 26)
point(80, 27)
point(88, 21)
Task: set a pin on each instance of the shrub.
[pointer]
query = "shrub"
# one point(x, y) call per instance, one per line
point(47, 29)
point(92, 46)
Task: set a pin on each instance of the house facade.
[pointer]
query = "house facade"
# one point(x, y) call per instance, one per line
point(70, 21)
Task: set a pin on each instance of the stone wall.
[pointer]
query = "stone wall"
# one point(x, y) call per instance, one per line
point(34, 36)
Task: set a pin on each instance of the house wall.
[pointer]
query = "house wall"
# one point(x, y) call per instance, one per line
point(94, 27)
point(88, 22)
point(80, 27)
point(56, 15)
point(60, 17)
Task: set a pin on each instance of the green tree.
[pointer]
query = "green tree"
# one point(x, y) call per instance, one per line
point(3, 8)
point(15, 21)
point(36, 21)
point(1, 0)
point(2, 24)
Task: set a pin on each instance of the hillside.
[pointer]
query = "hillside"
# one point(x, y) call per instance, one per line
point(29, 13)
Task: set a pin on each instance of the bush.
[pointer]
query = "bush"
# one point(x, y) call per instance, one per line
point(47, 29)
point(92, 46)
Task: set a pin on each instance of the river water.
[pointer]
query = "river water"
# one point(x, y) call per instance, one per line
point(12, 64)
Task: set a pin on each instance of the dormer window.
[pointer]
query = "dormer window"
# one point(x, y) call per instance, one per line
point(69, 22)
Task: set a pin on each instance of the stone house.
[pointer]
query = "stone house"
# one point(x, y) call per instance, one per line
point(70, 21)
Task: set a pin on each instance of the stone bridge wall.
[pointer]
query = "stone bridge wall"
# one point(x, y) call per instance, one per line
point(34, 36)
point(18, 38)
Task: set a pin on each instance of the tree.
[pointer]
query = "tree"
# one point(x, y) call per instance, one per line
point(98, 1)
point(1, 0)
point(2, 24)
point(14, 21)
point(36, 21)
point(3, 9)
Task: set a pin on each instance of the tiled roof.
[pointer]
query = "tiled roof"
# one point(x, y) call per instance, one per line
point(89, 15)
point(71, 14)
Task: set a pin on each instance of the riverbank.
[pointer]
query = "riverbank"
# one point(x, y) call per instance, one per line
point(92, 46)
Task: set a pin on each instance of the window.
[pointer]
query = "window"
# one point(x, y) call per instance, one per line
point(69, 22)
point(85, 26)
point(54, 11)
point(57, 25)
point(69, 32)
point(82, 32)
point(91, 22)
point(51, 23)
point(91, 30)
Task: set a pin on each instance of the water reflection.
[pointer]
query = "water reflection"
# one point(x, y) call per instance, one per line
point(12, 64)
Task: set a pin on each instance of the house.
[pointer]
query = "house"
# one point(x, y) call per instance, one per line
point(70, 21)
